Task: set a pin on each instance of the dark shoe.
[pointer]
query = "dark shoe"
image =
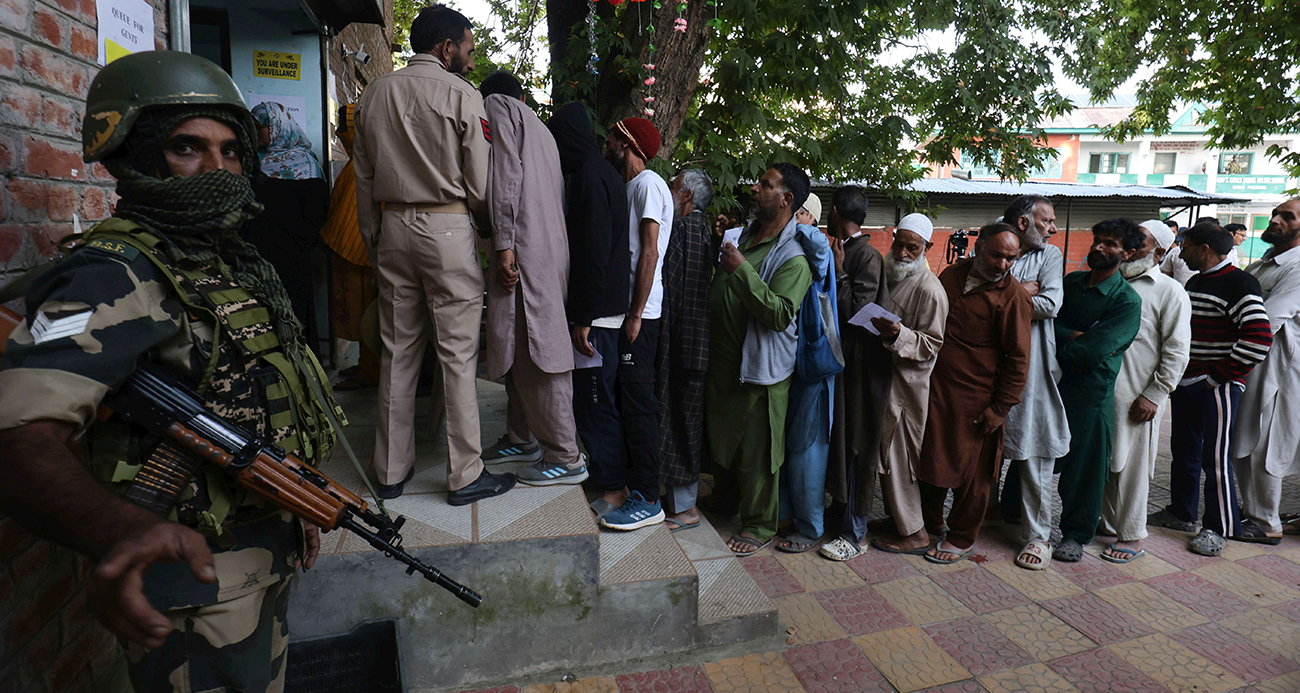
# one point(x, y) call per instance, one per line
point(505, 451)
point(486, 485)
point(391, 491)
point(1164, 518)
point(1207, 543)
point(1252, 533)
point(1069, 551)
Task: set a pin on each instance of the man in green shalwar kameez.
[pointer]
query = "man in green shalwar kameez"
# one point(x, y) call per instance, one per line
point(1100, 315)
point(753, 299)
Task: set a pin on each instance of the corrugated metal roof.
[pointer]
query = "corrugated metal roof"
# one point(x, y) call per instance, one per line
point(1171, 196)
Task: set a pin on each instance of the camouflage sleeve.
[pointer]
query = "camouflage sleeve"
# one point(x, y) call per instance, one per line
point(95, 314)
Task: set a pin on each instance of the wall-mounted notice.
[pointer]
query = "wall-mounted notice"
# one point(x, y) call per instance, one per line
point(125, 27)
point(277, 65)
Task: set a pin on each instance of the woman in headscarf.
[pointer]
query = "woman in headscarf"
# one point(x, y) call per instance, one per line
point(292, 187)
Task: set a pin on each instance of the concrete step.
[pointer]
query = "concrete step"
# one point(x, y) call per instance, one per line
point(732, 608)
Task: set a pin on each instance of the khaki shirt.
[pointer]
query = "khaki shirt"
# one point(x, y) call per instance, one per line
point(422, 138)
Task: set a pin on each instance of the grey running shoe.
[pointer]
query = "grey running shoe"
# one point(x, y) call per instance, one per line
point(506, 451)
point(550, 474)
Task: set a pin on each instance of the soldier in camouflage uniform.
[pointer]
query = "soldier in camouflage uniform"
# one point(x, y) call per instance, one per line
point(198, 598)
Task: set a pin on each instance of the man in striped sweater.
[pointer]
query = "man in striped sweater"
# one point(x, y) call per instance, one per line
point(1230, 335)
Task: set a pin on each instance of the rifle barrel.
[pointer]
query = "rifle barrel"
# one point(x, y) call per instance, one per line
point(414, 564)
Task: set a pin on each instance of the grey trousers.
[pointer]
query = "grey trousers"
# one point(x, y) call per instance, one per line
point(1036, 497)
point(1261, 494)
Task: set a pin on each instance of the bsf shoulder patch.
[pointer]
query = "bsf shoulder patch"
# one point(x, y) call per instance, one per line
point(487, 129)
point(126, 251)
point(48, 327)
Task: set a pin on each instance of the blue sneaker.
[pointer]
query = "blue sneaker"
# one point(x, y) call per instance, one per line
point(505, 451)
point(635, 513)
point(549, 474)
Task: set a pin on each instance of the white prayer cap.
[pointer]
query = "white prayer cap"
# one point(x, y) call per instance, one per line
point(814, 206)
point(918, 224)
point(1160, 231)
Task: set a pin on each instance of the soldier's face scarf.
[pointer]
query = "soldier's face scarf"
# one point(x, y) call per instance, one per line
point(199, 217)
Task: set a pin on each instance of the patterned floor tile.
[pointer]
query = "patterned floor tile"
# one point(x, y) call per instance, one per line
point(530, 512)
point(1201, 595)
point(1268, 628)
point(596, 684)
point(1097, 619)
point(726, 590)
point(1039, 632)
point(689, 679)
point(925, 567)
point(1292, 555)
point(498, 689)
point(910, 659)
point(755, 673)
point(1174, 666)
point(967, 686)
point(1147, 567)
point(861, 610)
point(977, 645)
point(702, 542)
point(1289, 609)
point(771, 576)
point(1235, 653)
point(921, 601)
point(1035, 678)
point(1102, 671)
point(1278, 569)
point(878, 566)
point(1248, 584)
point(1151, 607)
point(656, 557)
point(816, 573)
point(1092, 573)
point(809, 620)
point(980, 590)
point(1173, 548)
point(1038, 585)
point(837, 665)
point(1282, 684)
point(1240, 550)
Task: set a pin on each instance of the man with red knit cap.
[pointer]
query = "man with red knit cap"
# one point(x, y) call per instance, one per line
point(626, 464)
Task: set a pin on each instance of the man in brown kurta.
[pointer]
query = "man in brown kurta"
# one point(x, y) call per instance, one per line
point(861, 391)
point(977, 378)
point(528, 276)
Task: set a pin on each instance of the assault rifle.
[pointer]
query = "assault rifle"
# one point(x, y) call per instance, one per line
point(191, 435)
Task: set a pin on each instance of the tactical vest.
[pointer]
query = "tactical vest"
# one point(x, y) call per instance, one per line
point(242, 369)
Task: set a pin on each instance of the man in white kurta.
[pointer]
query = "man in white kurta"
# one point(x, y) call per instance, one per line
point(1153, 365)
point(1266, 443)
point(1036, 432)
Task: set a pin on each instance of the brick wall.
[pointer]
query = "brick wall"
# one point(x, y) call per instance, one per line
point(48, 52)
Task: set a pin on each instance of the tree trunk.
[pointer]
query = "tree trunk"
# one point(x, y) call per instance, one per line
point(620, 92)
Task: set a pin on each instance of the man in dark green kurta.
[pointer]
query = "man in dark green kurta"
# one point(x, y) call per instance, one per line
point(1100, 315)
point(752, 303)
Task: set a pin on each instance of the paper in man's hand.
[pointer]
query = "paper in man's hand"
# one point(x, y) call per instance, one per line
point(869, 311)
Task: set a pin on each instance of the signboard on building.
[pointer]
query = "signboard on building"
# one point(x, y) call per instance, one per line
point(125, 27)
point(277, 65)
point(1158, 146)
point(1259, 185)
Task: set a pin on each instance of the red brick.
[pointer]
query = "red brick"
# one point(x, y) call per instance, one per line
point(88, 13)
point(20, 106)
point(50, 28)
point(69, 6)
point(77, 617)
point(106, 659)
point(81, 685)
point(8, 56)
point(29, 198)
point(75, 658)
point(94, 204)
point(11, 239)
point(47, 237)
point(42, 649)
point(50, 160)
point(37, 611)
point(100, 174)
point(8, 154)
point(64, 201)
point(84, 42)
point(54, 72)
point(32, 561)
point(61, 117)
point(6, 590)
point(14, 14)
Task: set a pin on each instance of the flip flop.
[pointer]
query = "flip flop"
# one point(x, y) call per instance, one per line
point(748, 541)
point(879, 545)
point(1132, 555)
point(1252, 533)
point(960, 555)
point(676, 526)
point(798, 543)
point(1039, 549)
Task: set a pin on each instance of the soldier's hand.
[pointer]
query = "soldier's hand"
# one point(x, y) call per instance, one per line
point(311, 537)
point(988, 421)
point(1142, 411)
point(731, 257)
point(115, 586)
point(507, 270)
point(580, 341)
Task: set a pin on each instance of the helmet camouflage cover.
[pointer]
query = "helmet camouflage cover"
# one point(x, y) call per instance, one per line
point(133, 83)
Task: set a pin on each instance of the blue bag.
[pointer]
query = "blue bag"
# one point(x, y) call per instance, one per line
point(819, 354)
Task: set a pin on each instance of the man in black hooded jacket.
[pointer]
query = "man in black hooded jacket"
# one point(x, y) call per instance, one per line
point(597, 218)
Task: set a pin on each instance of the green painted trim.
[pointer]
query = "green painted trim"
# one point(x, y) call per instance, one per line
point(1087, 178)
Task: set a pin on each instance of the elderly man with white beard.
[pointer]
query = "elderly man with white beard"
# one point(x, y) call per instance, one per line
point(1152, 367)
point(914, 342)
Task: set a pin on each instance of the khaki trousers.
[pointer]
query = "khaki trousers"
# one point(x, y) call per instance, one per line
point(540, 404)
point(428, 271)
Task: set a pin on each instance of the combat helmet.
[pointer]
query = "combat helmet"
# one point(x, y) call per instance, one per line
point(133, 83)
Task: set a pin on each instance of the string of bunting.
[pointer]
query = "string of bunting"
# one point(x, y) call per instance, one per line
point(679, 24)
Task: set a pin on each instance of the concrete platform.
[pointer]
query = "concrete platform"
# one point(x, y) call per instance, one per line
point(558, 592)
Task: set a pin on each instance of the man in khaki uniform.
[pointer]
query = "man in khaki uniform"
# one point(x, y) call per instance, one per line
point(422, 148)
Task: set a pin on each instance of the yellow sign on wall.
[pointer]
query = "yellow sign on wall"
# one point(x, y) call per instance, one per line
point(277, 65)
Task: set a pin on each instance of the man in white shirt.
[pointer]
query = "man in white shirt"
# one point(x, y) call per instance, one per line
point(1174, 266)
point(1267, 442)
point(631, 486)
point(1152, 367)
